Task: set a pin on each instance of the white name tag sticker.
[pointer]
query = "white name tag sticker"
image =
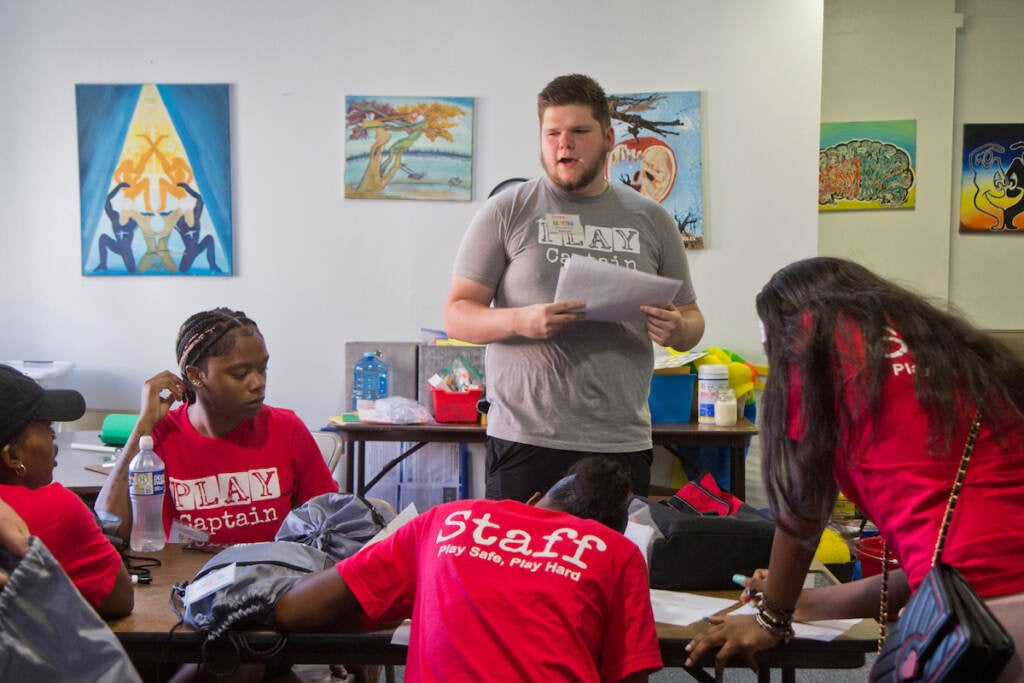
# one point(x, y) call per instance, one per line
point(215, 580)
point(183, 534)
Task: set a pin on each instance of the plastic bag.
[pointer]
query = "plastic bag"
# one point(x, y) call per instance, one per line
point(400, 410)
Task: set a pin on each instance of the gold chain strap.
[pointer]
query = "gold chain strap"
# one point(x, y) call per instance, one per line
point(954, 495)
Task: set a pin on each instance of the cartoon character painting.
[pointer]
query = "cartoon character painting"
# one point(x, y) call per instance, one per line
point(992, 185)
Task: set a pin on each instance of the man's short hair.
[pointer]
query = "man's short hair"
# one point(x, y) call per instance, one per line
point(575, 89)
point(595, 488)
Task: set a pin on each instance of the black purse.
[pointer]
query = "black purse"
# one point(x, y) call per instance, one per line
point(945, 632)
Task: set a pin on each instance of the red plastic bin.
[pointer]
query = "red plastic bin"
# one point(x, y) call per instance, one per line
point(456, 406)
point(869, 552)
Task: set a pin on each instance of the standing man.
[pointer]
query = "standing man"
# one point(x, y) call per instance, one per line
point(561, 387)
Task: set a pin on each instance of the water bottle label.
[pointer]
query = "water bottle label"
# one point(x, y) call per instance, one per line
point(146, 483)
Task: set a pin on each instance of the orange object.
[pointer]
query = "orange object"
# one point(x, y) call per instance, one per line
point(456, 406)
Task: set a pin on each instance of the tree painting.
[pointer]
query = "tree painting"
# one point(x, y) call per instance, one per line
point(658, 152)
point(408, 148)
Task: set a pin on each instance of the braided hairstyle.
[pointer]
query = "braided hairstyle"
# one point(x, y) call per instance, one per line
point(206, 334)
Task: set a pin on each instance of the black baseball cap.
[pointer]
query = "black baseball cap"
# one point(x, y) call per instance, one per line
point(22, 400)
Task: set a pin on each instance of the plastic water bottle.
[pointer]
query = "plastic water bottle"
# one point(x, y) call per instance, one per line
point(369, 379)
point(146, 490)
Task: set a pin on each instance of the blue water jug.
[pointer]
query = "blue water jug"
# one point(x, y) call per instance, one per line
point(369, 379)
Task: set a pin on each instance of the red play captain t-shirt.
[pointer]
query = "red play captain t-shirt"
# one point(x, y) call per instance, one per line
point(239, 487)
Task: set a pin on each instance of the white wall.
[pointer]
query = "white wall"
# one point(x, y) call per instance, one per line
point(316, 270)
point(986, 276)
point(908, 59)
point(888, 60)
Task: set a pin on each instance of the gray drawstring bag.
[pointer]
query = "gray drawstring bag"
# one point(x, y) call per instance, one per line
point(48, 632)
point(242, 584)
point(337, 523)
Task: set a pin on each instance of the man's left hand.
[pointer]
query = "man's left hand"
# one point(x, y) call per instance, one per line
point(665, 325)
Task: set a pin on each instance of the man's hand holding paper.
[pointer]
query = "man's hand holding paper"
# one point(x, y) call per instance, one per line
point(543, 321)
point(616, 294)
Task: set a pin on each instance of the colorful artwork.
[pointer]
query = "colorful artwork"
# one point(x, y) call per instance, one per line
point(155, 179)
point(658, 152)
point(409, 148)
point(992, 183)
point(867, 165)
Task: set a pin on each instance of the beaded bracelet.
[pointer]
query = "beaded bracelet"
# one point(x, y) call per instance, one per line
point(780, 629)
point(785, 614)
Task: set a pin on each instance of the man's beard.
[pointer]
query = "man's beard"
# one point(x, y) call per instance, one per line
point(591, 170)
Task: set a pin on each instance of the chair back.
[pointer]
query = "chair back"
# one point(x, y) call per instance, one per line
point(330, 446)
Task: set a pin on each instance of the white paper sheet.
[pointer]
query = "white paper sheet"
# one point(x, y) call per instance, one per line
point(683, 609)
point(401, 518)
point(612, 293)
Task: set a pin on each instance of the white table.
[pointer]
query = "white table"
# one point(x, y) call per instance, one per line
point(71, 462)
point(40, 370)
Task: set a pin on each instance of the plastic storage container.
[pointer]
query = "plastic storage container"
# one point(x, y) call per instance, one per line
point(710, 378)
point(869, 552)
point(456, 406)
point(146, 491)
point(671, 397)
point(369, 379)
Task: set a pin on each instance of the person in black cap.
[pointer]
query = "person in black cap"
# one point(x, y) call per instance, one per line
point(56, 515)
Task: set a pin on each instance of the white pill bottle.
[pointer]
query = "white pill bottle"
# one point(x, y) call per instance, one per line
point(710, 378)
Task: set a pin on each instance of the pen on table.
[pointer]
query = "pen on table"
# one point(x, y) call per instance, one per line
point(93, 447)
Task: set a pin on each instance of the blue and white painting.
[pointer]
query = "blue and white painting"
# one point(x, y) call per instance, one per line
point(155, 179)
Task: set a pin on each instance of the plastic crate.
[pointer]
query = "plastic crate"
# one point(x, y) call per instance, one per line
point(671, 397)
point(456, 406)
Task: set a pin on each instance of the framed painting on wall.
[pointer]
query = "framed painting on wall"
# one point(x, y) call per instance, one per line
point(658, 152)
point(992, 180)
point(409, 148)
point(154, 179)
point(867, 165)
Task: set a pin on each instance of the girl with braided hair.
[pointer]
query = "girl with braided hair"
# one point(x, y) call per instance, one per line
point(234, 465)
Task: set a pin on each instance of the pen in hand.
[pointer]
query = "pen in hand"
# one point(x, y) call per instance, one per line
point(748, 593)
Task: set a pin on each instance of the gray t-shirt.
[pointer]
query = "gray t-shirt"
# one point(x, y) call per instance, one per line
point(586, 388)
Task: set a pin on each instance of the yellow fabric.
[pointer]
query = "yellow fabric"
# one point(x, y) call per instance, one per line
point(832, 548)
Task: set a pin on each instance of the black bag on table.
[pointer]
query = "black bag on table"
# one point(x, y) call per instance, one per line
point(703, 536)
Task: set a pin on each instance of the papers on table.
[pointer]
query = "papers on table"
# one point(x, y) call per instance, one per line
point(401, 518)
point(612, 293)
point(683, 609)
